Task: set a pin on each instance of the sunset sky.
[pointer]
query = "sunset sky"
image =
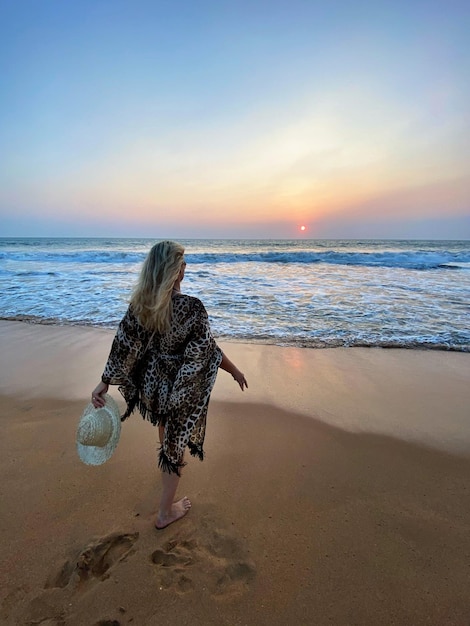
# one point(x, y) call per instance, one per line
point(246, 118)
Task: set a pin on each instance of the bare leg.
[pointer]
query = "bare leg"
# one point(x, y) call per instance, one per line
point(170, 511)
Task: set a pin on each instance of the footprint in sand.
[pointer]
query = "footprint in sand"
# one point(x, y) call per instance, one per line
point(92, 564)
point(94, 560)
point(219, 561)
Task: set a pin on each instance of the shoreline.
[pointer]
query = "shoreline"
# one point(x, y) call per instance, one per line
point(334, 491)
point(281, 343)
point(415, 395)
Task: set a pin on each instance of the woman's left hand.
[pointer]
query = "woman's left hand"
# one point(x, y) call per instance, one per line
point(240, 379)
point(97, 394)
point(227, 365)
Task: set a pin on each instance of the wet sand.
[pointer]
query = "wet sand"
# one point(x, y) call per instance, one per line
point(334, 491)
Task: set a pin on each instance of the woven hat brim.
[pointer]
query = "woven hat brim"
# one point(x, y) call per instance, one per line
point(95, 455)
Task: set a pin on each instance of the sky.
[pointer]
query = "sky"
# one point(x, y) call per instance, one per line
point(235, 119)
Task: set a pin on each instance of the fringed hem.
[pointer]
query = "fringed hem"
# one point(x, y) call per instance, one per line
point(157, 419)
point(131, 401)
point(129, 410)
point(196, 450)
point(168, 466)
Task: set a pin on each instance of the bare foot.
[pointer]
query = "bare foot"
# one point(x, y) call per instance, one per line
point(178, 510)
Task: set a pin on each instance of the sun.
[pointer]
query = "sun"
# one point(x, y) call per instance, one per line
point(303, 228)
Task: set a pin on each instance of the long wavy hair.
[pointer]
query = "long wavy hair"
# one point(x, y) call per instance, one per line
point(151, 299)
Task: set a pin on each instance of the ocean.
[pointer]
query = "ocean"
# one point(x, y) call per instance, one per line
point(306, 293)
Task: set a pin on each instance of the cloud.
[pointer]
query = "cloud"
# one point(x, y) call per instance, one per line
point(387, 227)
point(433, 200)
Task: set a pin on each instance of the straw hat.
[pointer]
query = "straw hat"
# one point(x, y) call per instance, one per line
point(98, 432)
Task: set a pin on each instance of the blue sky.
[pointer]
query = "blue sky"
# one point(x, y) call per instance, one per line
point(235, 119)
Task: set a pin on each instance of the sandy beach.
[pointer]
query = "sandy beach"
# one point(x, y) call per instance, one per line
point(334, 491)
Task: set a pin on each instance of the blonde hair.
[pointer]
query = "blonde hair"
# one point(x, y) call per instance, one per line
point(151, 299)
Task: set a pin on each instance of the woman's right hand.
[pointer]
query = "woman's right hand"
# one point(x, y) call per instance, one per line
point(97, 394)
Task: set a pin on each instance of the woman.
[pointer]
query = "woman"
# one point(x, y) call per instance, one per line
point(165, 361)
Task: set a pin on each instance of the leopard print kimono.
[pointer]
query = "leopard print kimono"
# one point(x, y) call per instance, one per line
point(168, 376)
